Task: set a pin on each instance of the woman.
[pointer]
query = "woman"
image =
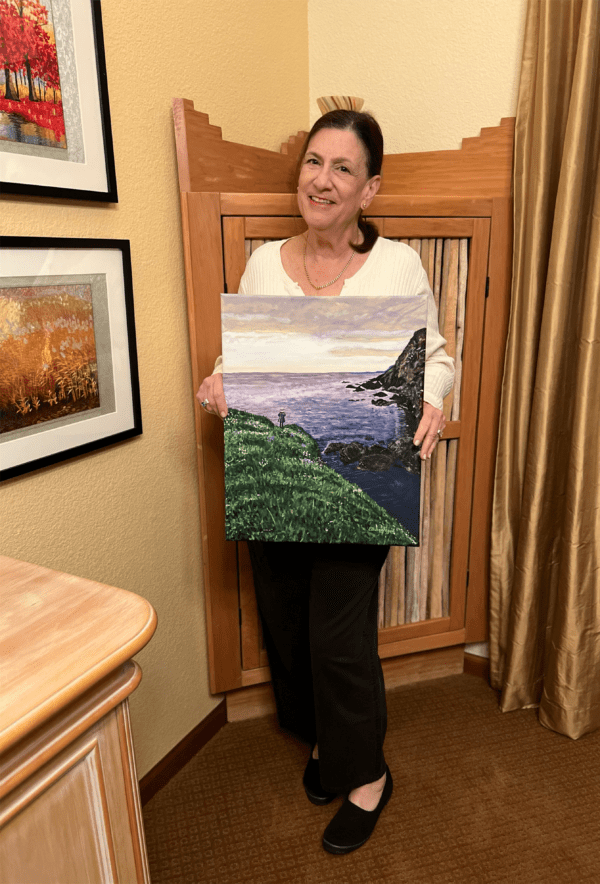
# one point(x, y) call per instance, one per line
point(318, 602)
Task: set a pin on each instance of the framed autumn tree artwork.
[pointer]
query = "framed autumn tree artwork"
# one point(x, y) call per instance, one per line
point(68, 364)
point(55, 133)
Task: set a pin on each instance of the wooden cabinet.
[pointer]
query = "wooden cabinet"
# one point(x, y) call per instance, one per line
point(69, 798)
point(453, 207)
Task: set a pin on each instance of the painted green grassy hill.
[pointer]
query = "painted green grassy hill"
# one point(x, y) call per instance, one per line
point(265, 467)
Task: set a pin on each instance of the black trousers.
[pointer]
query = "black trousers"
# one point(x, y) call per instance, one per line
point(318, 605)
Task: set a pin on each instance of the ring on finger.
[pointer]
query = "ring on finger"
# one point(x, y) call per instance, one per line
point(440, 433)
point(204, 403)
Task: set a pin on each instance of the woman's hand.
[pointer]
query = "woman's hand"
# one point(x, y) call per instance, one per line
point(428, 432)
point(211, 396)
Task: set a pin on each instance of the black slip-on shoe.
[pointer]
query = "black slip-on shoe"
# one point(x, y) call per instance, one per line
point(352, 826)
point(312, 784)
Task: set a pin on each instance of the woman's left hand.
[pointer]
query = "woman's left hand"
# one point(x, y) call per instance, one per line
point(428, 431)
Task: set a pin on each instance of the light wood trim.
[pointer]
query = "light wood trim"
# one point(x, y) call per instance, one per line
point(497, 309)
point(213, 165)
point(26, 795)
point(85, 785)
point(132, 793)
point(39, 678)
point(25, 758)
point(442, 207)
point(478, 264)
point(423, 643)
point(205, 283)
point(258, 227)
point(233, 248)
point(427, 228)
point(423, 666)
point(254, 701)
point(248, 204)
point(481, 167)
point(255, 676)
point(257, 700)
point(413, 630)
point(181, 106)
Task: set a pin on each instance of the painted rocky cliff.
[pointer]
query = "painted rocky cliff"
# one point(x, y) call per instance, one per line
point(400, 386)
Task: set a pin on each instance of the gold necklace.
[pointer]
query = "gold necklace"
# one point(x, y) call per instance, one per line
point(327, 284)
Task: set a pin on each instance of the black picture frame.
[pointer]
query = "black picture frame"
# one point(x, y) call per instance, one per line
point(62, 299)
point(90, 173)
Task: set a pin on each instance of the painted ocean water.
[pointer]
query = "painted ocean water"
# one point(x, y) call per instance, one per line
point(324, 406)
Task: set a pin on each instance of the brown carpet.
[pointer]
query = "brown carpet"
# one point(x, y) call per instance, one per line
point(480, 797)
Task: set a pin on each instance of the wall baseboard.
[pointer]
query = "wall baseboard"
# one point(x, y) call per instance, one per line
point(475, 665)
point(185, 750)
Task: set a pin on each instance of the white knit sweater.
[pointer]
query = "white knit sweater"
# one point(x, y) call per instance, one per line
point(392, 268)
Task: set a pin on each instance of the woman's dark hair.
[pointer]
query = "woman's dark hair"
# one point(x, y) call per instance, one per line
point(367, 130)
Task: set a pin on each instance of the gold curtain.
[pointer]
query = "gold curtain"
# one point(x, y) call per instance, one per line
point(545, 560)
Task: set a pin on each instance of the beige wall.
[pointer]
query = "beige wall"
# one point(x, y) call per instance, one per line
point(432, 71)
point(128, 515)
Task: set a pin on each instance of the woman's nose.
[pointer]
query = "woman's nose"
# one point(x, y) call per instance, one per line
point(323, 179)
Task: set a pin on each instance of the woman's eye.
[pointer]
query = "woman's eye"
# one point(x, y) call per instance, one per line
point(344, 169)
point(311, 160)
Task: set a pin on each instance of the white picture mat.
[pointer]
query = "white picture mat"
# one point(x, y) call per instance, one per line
point(91, 174)
point(58, 262)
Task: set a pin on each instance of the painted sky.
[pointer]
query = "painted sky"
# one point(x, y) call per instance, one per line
point(293, 334)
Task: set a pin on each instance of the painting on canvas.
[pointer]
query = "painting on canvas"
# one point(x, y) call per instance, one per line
point(324, 398)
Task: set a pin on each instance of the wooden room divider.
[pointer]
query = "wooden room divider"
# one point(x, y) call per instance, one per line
point(453, 207)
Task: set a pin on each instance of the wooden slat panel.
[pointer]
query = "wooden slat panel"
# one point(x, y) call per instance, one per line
point(427, 573)
point(460, 323)
point(203, 255)
point(437, 560)
point(448, 308)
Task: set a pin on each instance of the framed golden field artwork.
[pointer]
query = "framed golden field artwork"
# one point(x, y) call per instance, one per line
point(68, 359)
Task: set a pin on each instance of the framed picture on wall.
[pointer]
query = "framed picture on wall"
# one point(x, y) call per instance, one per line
point(68, 360)
point(324, 398)
point(55, 133)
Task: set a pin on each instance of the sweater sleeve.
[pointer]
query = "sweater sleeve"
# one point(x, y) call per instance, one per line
point(439, 367)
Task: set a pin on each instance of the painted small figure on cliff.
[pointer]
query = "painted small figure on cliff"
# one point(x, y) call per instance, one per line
point(281, 417)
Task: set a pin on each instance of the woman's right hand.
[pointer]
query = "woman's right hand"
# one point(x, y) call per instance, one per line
point(211, 393)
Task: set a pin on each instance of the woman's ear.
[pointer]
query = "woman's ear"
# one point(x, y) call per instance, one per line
point(371, 189)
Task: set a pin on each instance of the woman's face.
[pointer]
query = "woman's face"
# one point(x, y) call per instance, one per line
point(333, 181)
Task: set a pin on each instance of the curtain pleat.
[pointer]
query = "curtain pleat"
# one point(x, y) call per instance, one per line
point(545, 567)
